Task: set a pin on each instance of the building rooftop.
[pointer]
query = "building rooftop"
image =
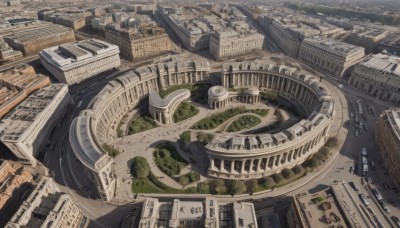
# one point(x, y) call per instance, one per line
point(335, 45)
point(15, 123)
point(68, 54)
point(388, 64)
point(157, 101)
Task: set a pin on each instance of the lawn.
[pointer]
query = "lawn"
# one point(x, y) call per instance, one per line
point(144, 186)
point(184, 111)
point(140, 124)
point(243, 122)
point(217, 119)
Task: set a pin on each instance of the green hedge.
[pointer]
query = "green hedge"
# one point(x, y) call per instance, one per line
point(140, 124)
point(168, 159)
point(184, 111)
point(243, 122)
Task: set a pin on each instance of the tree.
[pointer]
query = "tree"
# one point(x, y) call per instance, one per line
point(251, 186)
point(298, 169)
point(217, 186)
point(185, 137)
point(139, 167)
point(278, 178)
point(236, 187)
point(288, 174)
point(267, 182)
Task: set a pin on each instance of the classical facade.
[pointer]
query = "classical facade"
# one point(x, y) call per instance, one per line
point(220, 97)
point(74, 20)
point(163, 109)
point(388, 139)
point(230, 43)
point(16, 84)
point(288, 30)
point(94, 126)
point(32, 38)
point(139, 42)
point(12, 176)
point(206, 212)
point(378, 76)
point(47, 207)
point(25, 129)
point(75, 62)
point(8, 54)
point(330, 56)
point(253, 156)
point(367, 38)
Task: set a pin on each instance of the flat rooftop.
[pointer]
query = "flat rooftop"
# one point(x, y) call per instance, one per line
point(23, 116)
point(386, 63)
point(335, 45)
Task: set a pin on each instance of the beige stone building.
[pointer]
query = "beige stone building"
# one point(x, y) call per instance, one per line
point(139, 42)
point(230, 43)
point(16, 84)
point(47, 207)
point(220, 97)
point(75, 62)
point(388, 139)
point(367, 38)
point(378, 76)
point(12, 176)
point(8, 54)
point(288, 29)
point(203, 212)
point(391, 43)
point(25, 129)
point(32, 38)
point(96, 125)
point(74, 20)
point(234, 156)
point(163, 109)
point(330, 56)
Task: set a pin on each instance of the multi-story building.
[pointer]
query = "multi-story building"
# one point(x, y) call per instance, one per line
point(74, 20)
point(388, 139)
point(100, 23)
point(75, 62)
point(16, 84)
point(391, 44)
point(47, 207)
point(139, 42)
point(378, 76)
point(230, 43)
point(330, 56)
point(206, 212)
point(32, 38)
point(233, 156)
point(93, 128)
point(288, 30)
point(8, 54)
point(25, 129)
point(367, 38)
point(12, 176)
point(163, 109)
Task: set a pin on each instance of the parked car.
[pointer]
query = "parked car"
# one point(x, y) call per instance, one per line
point(396, 220)
point(385, 207)
point(364, 199)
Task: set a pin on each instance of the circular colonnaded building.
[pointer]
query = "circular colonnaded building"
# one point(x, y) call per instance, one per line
point(238, 156)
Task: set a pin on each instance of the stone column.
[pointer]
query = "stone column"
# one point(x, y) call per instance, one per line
point(242, 168)
point(221, 165)
point(251, 165)
point(232, 166)
point(258, 165)
point(211, 163)
point(266, 163)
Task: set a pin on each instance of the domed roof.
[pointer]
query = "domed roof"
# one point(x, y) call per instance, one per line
point(218, 93)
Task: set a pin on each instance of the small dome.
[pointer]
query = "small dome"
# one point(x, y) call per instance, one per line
point(218, 93)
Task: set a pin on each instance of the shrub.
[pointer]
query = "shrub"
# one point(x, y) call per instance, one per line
point(298, 169)
point(236, 187)
point(332, 142)
point(267, 182)
point(111, 151)
point(278, 178)
point(217, 186)
point(204, 137)
point(184, 180)
point(203, 188)
point(251, 186)
point(139, 167)
point(288, 174)
point(185, 137)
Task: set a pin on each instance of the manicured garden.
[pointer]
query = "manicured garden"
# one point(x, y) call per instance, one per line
point(184, 111)
point(217, 119)
point(243, 122)
point(168, 159)
point(141, 123)
point(189, 178)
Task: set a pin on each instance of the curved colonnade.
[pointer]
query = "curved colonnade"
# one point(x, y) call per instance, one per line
point(96, 125)
point(252, 156)
point(162, 109)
